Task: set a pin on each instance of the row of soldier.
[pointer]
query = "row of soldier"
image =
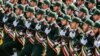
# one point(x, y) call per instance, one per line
point(29, 31)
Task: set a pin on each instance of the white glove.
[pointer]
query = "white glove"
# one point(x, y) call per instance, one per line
point(15, 23)
point(72, 35)
point(5, 19)
point(38, 27)
point(97, 43)
point(47, 31)
point(29, 35)
point(62, 32)
point(83, 41)
point(27, 24)
point(63, 43)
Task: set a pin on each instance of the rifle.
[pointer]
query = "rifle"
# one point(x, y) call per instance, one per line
point(40, 39)
point(29, 37)
point(20, 37)
point(51, 44)
point(10, 32)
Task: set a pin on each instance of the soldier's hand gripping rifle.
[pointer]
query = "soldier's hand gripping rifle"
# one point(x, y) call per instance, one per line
point(20, 37)
point(29, 36)
point(52, 45)
point(10, 32)
point(40, 39)
point(64, 48)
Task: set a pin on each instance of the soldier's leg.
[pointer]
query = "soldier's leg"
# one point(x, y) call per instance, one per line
point(18, 47)
point(27, 50)
point(50, 52)
point(37, 50)
point(9, 47)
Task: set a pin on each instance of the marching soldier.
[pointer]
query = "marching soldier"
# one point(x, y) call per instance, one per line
point(40, 20)
point(75, 33)
point(8, 21)
point(83, 13)
point(19, 27)
point(96, 15)
point(46, 6)
point(34, 4)
point(80, 3)
point(52, 31)
point(9, 15)
point(65, 21)
point(65, 25)
point(70, 10)
point(92, 6)
point(57, 8)
point(88, 38)
point(38, 48)
point(97, 34)
point(27, 50)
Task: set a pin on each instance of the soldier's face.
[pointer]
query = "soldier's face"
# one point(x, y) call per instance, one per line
point(68, 2)
point(6, 9)
point(63, 22)
point(11, 1)
point(23, 1)
point(95, 17)
point(73, 24)
point(85, 27)
point(28, 14)
point(69, 11)
point(32, 3)
point(96, 30)
point(79, 2)
point(17, 11)
point(45, 6)
point(80, 14)
point(90, 5)
point(49, 19)
point(38, 16)
point(55, 8)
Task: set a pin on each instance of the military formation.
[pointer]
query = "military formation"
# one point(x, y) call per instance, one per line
point(50, 27)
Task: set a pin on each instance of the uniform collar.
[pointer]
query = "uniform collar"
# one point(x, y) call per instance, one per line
point(31, 18)
point(67, 26)
point(9, 13)
point(21, 15)
point(81, 6)
point(73, 29)
point(92, 8)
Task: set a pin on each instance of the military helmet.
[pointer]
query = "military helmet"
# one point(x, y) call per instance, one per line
point(72, 7)
point(40, 11)
point(97, 12)
point(35, 1)
point(67, 17)
point(52, 14)
point(97, 24)
point(89, 22)
point(57, 4)
point(84, 10)
point(92, 1)
point(9, 5)
point(30, 9)
point(76, 19)
point(20, 6)
point(47, 2)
